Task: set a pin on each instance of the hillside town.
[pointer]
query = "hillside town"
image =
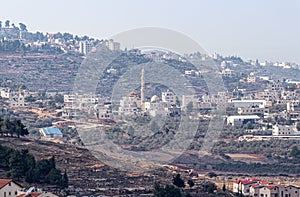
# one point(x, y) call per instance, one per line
point(261, 124)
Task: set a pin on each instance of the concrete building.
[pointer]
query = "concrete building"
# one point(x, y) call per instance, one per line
point(272, 190)
point(103, 111)
point(252, 111)
point(251, 78)
point(130, 104)
point(5, 93)
point(50, 132)
point(156, 107)
point(227, 72)
point(283, 130)
point(241, 120)
point(9, 188)
point(85, 47)
point(242, 186)
point(247, 103)
point(113, 46)
point(186, 99)
point(169, 97)
point(17, 100)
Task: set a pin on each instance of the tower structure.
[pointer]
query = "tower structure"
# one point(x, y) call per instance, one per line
point(143, 90)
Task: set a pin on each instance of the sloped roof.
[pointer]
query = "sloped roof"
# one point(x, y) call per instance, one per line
point(31, 194)
point(4, 182)
point(51, 131)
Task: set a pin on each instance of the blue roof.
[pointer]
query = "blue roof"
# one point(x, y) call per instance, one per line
point(51, 131)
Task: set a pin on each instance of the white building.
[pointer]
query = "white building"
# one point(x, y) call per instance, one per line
point(227, 72)
point(51, 132)
point(252, 111)
point(156, 107)
point(248, 103)
point(242, 186)
point(168, 97)
point(103, 111)
point(35, 192)
point(130, 105)
point(5, 93)
point(8, 188)
point(270, 190)
point(242, 119)
point(186, 99)
point(251, 78)
point(113, 46)
point(17, 100)
point(80, 101)
point(283, 130)
point(85, 47)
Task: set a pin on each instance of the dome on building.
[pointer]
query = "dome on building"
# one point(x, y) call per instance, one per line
point(154, 99)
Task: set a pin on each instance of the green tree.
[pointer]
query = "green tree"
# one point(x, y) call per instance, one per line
point(54, 177)
point(52, 162)
point(64, 180)
point(212, 174)
point(224, 188)
point(154, 127)
point(19, 128)
point(295, 152)
point(58, 98)
point(298, 126)
point(166, 191)
point(23, 27)
point(178, 181)
point(16, 165)
point(5, 127)
point(191, 183)
point(7, 23)
point(189, 107)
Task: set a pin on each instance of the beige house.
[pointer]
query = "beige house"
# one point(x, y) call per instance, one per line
point(274, 191)
point(264, 190)
point(283, 130)
point(243, 186)
point(8, 188)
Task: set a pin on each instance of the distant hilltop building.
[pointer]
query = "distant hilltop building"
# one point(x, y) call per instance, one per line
point(113, 46)
point(85, 47)
point(133, 103)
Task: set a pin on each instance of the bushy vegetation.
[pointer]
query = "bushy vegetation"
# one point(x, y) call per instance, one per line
point(14, 127)
point(21, 164)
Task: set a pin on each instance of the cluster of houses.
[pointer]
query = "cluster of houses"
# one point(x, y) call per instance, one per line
point(255, 187)
point(9, 188)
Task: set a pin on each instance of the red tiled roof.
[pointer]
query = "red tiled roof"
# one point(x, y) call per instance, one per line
point(271, 186)
point(32, 194)
point(247, 181)
point(4, 182)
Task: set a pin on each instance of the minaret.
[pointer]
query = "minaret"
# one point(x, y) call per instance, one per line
point(143, 90)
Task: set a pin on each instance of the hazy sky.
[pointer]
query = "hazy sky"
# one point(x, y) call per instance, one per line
point(263, 29)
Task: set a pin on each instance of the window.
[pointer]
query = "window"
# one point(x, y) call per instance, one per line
point(9, 193)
